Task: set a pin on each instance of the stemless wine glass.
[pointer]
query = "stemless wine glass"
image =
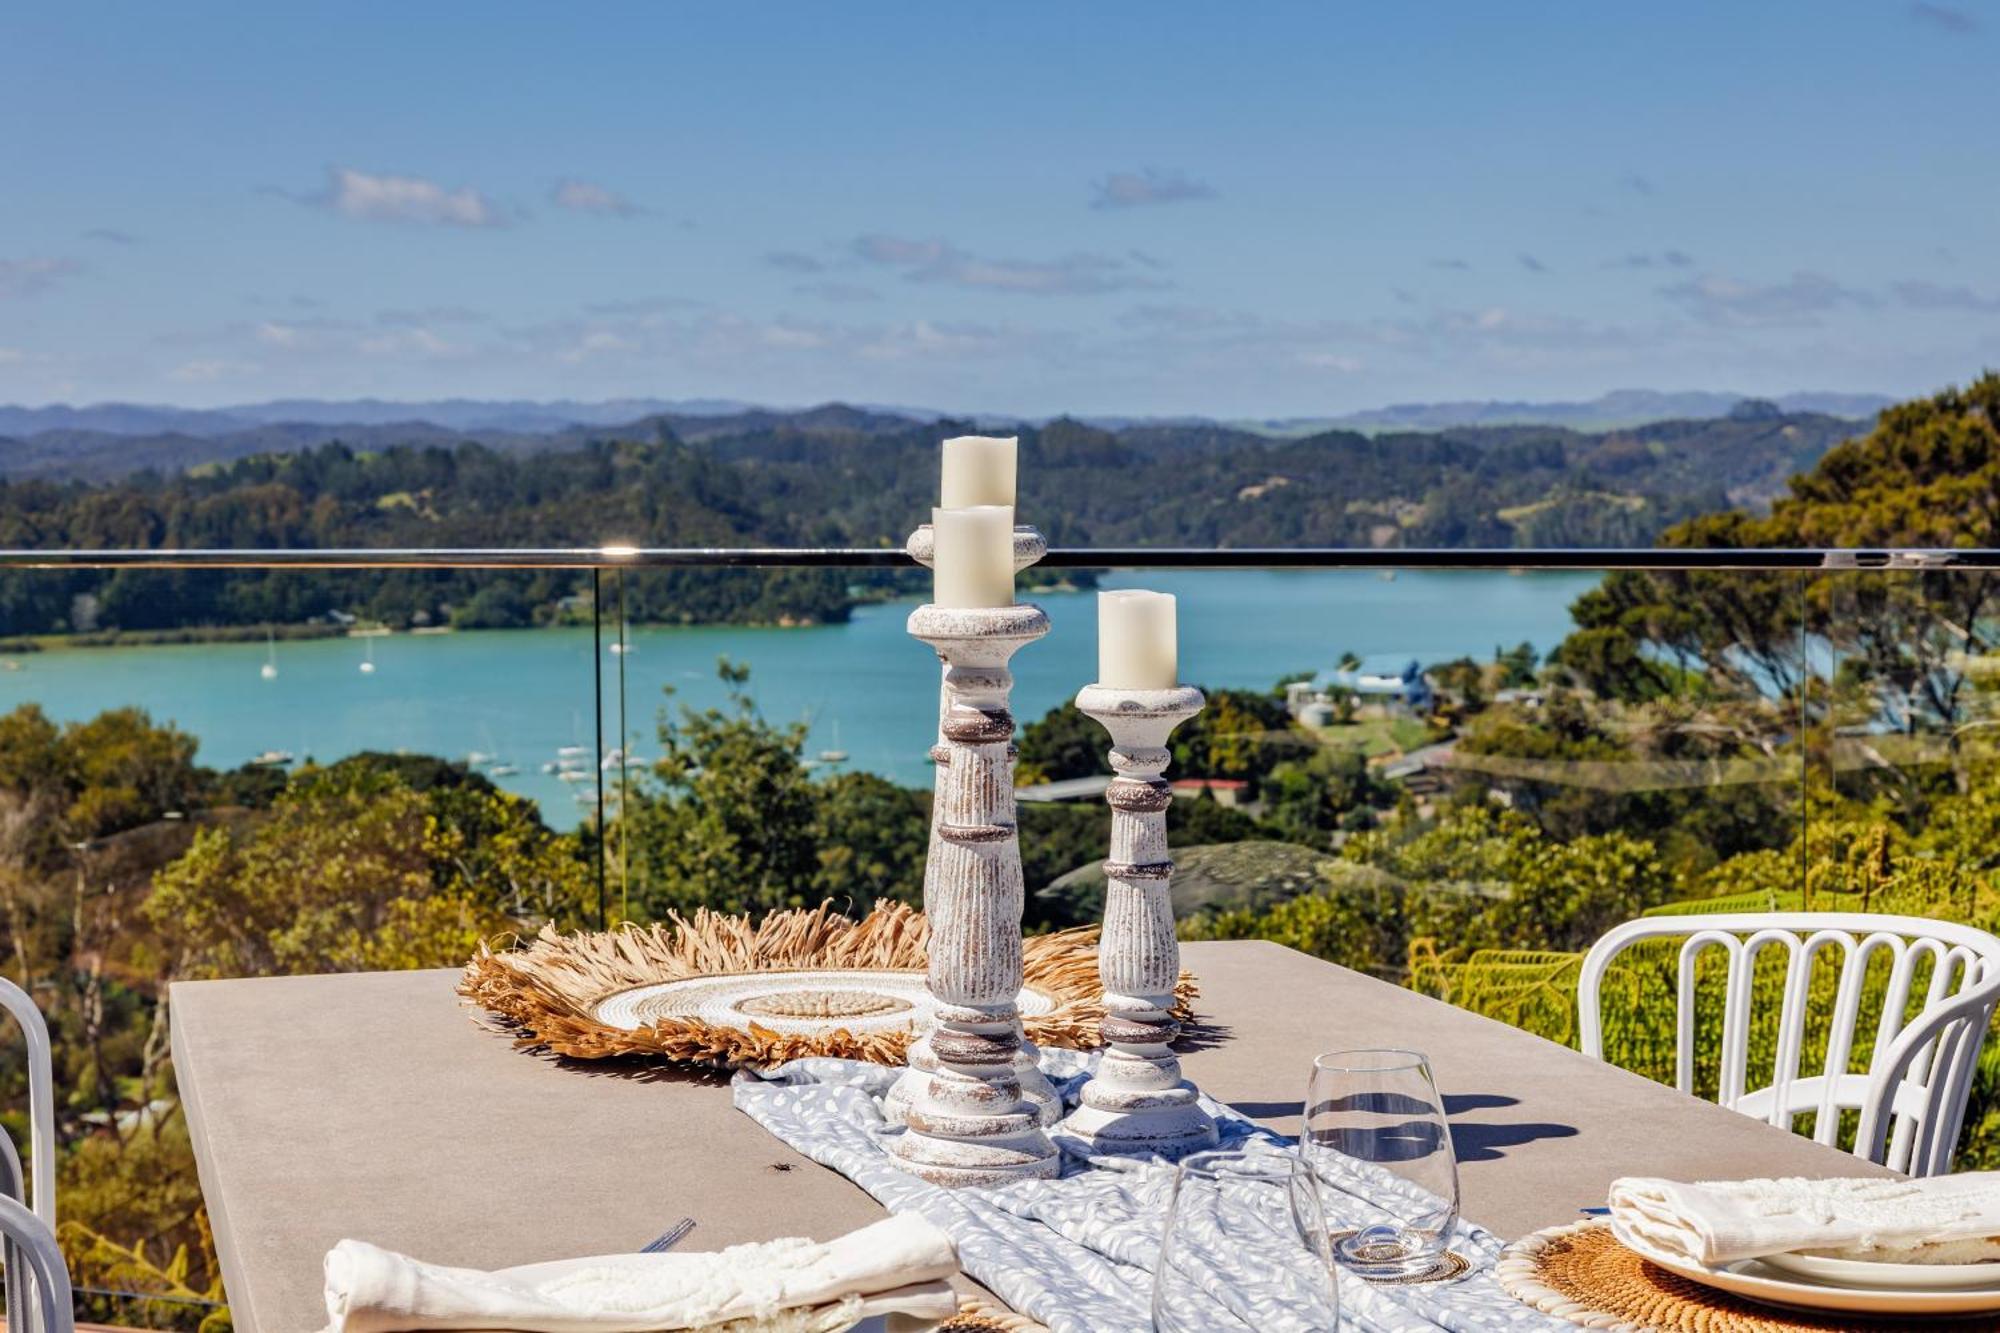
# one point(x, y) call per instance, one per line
point(1375, 1128)
point(1245, 1246)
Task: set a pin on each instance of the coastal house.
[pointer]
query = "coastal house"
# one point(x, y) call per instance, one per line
point(1394, 680)
point(1232, 792)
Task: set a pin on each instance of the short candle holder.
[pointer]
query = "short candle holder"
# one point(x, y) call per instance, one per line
point(1029, 546)
point(1137, 1103)
point(968, 1121)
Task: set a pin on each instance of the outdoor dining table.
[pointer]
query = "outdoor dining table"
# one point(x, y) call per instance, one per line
point(372, 1106)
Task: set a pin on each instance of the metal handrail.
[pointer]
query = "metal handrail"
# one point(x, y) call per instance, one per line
point(1105, 557)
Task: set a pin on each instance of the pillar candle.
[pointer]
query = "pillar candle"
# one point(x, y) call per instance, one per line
point(974, 556)
point(978, 470)
point(1137, 644)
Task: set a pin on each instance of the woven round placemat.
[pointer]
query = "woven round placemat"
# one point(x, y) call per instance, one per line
point(979, 1317)
point(715, 989)
point(1581, 1273)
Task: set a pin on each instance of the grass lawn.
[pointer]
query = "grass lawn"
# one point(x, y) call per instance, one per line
point(1375, 735)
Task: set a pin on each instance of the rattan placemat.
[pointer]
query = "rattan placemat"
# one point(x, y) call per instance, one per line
point(979, 1317)
point(1581, 1273)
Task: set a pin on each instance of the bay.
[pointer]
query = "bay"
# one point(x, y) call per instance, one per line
point(518, 696)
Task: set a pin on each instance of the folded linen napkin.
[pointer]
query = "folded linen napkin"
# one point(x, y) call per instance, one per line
point(1944, 1219)
point(895, 1266)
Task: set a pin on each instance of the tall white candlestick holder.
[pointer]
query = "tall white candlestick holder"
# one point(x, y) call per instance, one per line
point(967, 1121)
point(1029, 547)
point(1137, 1103)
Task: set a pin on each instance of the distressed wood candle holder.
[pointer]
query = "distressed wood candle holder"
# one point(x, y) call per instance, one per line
point(967, 1121)
point(1137, 1103)
point(1029, 547)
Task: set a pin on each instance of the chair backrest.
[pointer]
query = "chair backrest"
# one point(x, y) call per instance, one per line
point(27, 1236)
point(1910, 1102)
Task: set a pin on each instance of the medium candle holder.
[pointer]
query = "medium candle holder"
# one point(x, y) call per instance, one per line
point(1137, 1103)
point(968, 1121)
point(1029, 547)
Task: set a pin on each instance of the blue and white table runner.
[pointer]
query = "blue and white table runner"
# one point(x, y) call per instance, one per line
point(1077, 1253)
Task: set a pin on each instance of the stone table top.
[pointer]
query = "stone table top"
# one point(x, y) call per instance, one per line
point(371, 1105)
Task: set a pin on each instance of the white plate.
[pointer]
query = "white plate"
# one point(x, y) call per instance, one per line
point(1758, 1281)
point(1900, 1277)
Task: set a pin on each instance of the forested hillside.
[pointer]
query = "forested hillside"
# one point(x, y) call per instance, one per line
point(841, 476)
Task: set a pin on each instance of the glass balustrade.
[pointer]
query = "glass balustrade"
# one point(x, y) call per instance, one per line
point(1452, 769)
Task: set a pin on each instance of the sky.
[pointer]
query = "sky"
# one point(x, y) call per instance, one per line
point(1235, 210)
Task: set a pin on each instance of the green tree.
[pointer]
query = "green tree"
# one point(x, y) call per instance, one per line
point(353, 870)
point(725, 819)
point(872, 837)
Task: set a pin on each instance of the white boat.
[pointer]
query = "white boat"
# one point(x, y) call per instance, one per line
point(572, 751)
point(368, 656)
point(623, 649)
point(574, 775)
point(836, 755)
point(269, 671)
point(502, 771)
point(272, 759)
point(475, 758)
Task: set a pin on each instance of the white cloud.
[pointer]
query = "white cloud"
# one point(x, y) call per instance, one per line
point(1799, 300)
point(1931, 296)
point(599, 342)
point(587, 197)
point(1944, 18)
point(1140, 189)
point(793, 261)
point(847, 292)
point(368, 197)
point(900, 250)
point(418, 342)
point(435, 314)
point(28, 277)
point(1647, 259)
point(936, 261)
point(209, 370)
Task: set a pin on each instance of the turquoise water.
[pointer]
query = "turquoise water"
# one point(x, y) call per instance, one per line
point(866, 686)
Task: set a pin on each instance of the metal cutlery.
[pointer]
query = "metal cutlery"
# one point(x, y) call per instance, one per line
point(669, 1238)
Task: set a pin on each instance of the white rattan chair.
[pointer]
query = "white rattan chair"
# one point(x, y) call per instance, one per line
point(27, 1236)
point(1911, 1100)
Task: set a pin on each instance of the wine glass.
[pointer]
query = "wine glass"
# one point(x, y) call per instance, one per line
point(1245, 1246)
point(1375, 1128)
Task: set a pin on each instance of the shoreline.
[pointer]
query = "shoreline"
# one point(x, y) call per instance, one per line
point(29, 644)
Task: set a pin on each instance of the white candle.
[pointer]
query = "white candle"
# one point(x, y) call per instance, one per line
point(978, 470)
point(973, 556)
point(1137, 644)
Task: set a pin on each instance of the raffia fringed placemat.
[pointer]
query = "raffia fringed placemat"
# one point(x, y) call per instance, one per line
point(1581, 1273)
point(981, 1317)
point(555, 994)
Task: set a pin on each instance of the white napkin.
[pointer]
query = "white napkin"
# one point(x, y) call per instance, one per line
point(1944, 1219)
point(895, 1266)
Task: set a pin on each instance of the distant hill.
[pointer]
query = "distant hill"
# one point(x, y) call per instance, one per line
point(100, 455)
point(77, 429)
point(835, 475)
point(450, 413)
point(1622, 407)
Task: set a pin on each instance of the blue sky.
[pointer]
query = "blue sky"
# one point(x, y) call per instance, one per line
point(1145, 208)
